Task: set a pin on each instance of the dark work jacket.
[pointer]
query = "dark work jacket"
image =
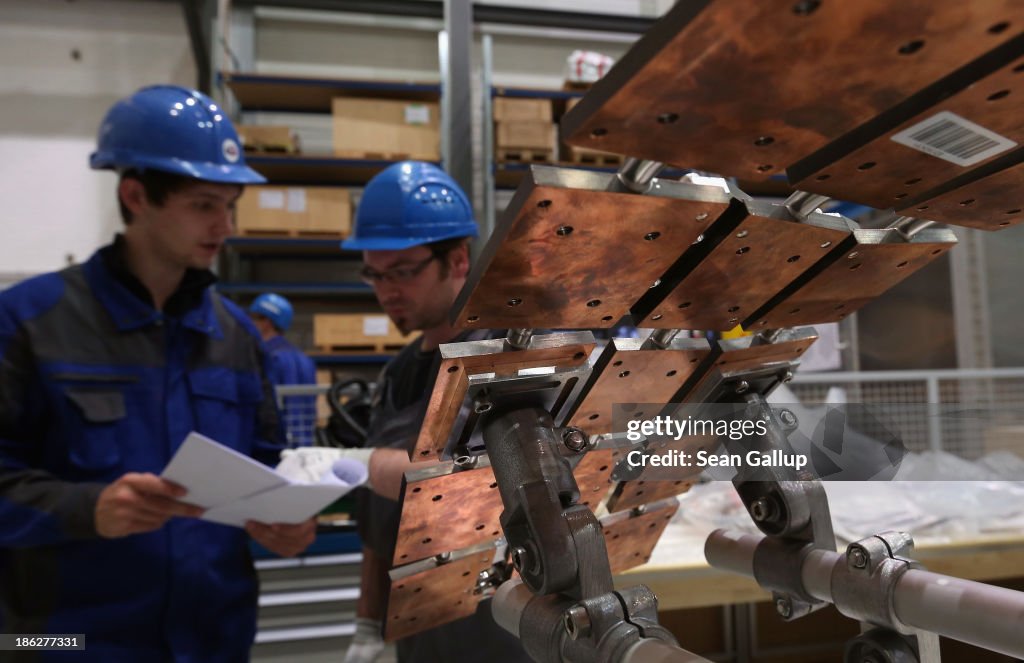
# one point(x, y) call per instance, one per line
point(400, 405)
point(290, 365)
point(94, 383)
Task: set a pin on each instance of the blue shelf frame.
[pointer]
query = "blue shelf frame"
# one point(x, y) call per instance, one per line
point(297, 289)
point(349, 359)
point(262, 93)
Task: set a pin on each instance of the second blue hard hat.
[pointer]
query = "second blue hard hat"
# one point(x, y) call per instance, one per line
point(275, 308)
point(175, 130)
point(408, 204)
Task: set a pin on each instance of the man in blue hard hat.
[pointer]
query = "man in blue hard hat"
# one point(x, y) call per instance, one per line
point(413, 226)
point(105, 367)
point(272, 314)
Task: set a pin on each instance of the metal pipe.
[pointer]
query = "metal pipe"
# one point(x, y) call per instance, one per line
point(519, 338)
point(908, 226)
point(972, 612)
point(801, 203)
point(663, 337)
point(636, 174)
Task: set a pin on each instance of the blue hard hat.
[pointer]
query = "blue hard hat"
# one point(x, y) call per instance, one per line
point(275, 308)
point(175, 130)
point(407, 204)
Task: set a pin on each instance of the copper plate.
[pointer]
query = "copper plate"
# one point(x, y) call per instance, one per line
point(883, 173)
point(878, 261)
point(627, 374)
point(475, 357)
point(990, 203)
point(755, 262)
point(436, 595)
point(746, 89)
point(548, 262)
point(445, 510)
point(630, 537)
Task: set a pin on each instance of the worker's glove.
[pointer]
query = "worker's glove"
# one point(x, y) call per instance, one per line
point(310, 464)
point(367, 642)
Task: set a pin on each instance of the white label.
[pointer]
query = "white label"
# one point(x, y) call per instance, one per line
point(297, 200)
point(375, 325)
point(417, 114)
point(271, 199)
point(948, 136)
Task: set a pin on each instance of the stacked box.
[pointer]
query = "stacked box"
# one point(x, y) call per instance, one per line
point(356, 331)
point(267, 138)
point(523, 129)
point(386, 129)
point(584, 155)
point(294, 211)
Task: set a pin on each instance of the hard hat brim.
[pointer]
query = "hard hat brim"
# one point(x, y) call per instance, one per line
point(207, 172)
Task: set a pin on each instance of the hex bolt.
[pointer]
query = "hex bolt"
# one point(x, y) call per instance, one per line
point(443, 558)
point(577, 622)
point(787, 376)
point(857, 558)
point(787, 418)
point(574, 439)
point(784, 607)
point(742, 387)
point(482, 406)
point(520, 559)
point(762, 509)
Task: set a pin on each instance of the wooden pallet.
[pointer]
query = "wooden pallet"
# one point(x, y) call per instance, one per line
point(261, 148)
point(509, 154)
point(290, 233)
point(594, 159)
point(384, 156)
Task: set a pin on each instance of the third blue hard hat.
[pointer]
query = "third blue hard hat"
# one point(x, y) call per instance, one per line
point(175, 130)
point(410, 203)
point(275, 308)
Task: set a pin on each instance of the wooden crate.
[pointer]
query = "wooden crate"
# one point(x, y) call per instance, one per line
point(386, 128)
point(525, 135)
point(277, 211)
point(509, 109)
point(267, 138)
point(348, 332)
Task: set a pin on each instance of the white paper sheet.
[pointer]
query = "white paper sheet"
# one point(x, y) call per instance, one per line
point(235, 488)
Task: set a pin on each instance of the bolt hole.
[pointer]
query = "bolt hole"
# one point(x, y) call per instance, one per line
point(670, 374)
point(579, 355)
point(1019, 68)
point(742, 250)
point(855, 266)
point(597, 133)
point(564, 231)
point(617, 363)
point(911, 47)
point(593, 417)
point(912, 181)
point(427, 540)
point(996, 96)
point(922, 208)
point(806, 7)
point(453, 369)
point(1004, 223)
point(792, 258)
point(900, 196)
point(624, 374)
point(733, 309)
point(685, 305)
point(479, 527)
point(999, 27)
point(514, 302)
point(794, 311)
point(544, 203)
point(473, 318)
point(764, 140)
point(668, 118)
point(1013, 211)
point(867, 165)
point(840, 306)
point(764, 168)
point(606, 318)
point(901, 265)
point(650, 237)
point(493, 485)
point(965, 203)
point(822, 178)
point(593, 303)
point(936, 252)
point(436, 498)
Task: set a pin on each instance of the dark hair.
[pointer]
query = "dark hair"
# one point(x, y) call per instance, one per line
point(157, 185)
point(441, 249)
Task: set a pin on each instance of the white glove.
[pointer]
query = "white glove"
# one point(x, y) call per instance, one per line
point(367, 642)
point(310, 464)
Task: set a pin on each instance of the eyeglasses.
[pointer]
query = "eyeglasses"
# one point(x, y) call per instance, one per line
point(397, 275)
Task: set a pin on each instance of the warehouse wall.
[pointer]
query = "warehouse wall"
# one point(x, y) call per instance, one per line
point(61, 66)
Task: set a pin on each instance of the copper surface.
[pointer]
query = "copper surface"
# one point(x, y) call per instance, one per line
point(991, 203)
point(548, 262)
point(884, 173)
point(462, 509)
point(453, 383)
point(866, 271)
point(633, 376)
point(592, 476)
point(748, 357)
point(631, 537)
point(631, 494)
point(746, 89)
point(436, 596)
point(449, 512)
point(754, 263)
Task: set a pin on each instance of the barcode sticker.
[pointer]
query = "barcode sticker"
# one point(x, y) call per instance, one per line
point(271, 199)
point(948, 136)
point(417, 114)
point(375, 325)
point(297, 200)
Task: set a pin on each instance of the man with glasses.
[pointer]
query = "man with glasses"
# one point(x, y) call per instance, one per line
point(413, 226)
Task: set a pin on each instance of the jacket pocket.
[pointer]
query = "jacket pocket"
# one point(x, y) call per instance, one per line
point(225, 403)
point(95, 447)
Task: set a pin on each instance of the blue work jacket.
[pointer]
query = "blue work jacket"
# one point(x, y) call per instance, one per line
point(291, 366)
point(94, 383)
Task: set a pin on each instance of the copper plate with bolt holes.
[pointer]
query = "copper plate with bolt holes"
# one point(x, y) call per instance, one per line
point(627, 374)
point(592, 474)
point(548, 262)
point(436, 595)
point(563, 350)
point(447, 510)
point(746, 89)
point(878, 261)
point(990, 203)
point(883, 173)
point(758, 258)
point(630, 537)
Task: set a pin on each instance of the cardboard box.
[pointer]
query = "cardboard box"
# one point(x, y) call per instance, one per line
point(267, 138)
point(526, 135)
point(312, 210)
point(508, 109)
point(384, 128)
point(357, 331)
